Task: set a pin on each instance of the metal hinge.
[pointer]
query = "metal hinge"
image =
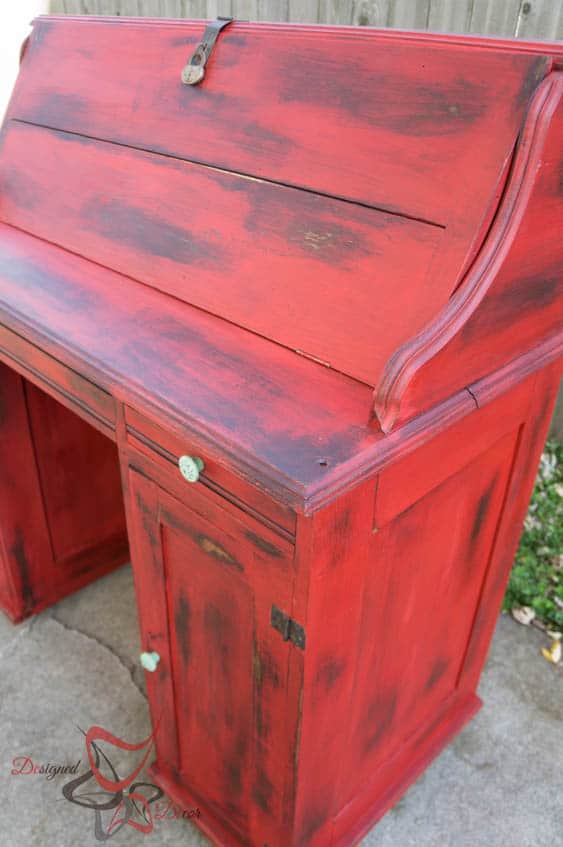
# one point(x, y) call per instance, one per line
point(290, 629)
point(194, 71)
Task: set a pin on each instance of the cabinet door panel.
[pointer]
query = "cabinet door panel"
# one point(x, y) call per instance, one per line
point(430, 565)
point(212, 619)
point(219, 694)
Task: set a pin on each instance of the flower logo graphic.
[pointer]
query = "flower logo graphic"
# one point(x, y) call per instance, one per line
point(116, 802)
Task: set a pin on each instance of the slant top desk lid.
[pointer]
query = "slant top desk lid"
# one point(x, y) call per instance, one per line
point(322, 188)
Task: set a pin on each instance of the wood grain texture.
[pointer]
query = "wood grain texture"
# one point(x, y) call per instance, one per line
point(225, 731)
point(162, 249)
point(66, 385)
point(208, 370)
point(164, 225)
point(393, 675)
point(63, 523)
point(421, 123)
point(26, 556)
point(165, 447)
point(307, 437)
point(538, 19)
point(494, 18)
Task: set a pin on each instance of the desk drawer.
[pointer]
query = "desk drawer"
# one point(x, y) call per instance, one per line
point(165, 448)
point(64, 384)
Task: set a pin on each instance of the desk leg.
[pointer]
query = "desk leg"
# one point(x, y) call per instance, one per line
point(62, 522)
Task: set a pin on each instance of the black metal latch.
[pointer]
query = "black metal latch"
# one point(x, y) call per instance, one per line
point(290, 629)
point(195, 69)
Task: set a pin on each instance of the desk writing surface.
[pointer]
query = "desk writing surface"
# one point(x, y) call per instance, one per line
point(284, 411)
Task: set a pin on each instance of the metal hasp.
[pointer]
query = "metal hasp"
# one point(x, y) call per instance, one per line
point(194, 71)
point(290, 629)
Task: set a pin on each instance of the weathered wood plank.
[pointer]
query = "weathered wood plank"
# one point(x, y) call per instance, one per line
point(219, 7)
point(371, 12)
point(336, 11)
point(538, 19)
point(324, 237)
point(124, 8)
point(445, 16)
point(494, 18)
point(273, 10)
point(304, 11)
point(245, 10)
point(170, 8)
point(404, 14)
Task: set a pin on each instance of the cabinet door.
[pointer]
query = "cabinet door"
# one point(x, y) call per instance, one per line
point(61, 507)
point(206, 581)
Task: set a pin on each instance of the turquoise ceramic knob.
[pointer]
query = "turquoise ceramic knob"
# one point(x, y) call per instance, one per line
point(190, 467)
point(149, 661)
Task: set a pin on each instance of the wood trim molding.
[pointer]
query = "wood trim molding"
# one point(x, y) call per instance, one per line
point(412, 356)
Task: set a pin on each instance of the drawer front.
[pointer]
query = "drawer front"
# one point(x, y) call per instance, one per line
point(164, 449)
point(64, 384)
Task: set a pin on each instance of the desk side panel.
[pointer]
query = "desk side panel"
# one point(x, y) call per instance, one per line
point(63, 522)
point(512, 297)
point(400, 617)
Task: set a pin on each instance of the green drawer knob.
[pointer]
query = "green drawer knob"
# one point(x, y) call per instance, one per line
point(149, 661)
point(190, 467)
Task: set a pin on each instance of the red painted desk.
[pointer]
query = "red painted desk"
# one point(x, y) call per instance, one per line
point(327, 276)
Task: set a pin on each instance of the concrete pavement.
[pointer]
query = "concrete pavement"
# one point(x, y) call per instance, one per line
point(499, 784)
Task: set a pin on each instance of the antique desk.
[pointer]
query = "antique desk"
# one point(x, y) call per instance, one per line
point(294, 319)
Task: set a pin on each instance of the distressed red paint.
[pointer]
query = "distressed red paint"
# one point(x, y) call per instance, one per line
point(343, 292)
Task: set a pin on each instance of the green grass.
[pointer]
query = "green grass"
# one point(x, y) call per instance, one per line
point(537, 575)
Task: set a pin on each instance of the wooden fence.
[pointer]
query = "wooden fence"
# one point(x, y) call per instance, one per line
point(541, 19)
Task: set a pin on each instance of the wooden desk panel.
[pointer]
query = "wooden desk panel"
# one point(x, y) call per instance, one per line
point(317, 600)
point(63, 522)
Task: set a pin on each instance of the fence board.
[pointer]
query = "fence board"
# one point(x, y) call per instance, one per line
point(219, 7)
point(126, 8)
point(336, 12)
point(273, 10)
point(523, 18)
point(304, 11)
point(245, 10)
point(494, 18)
point(371, 13)
point(406, 14)
point(540, 19)
point(445, 16)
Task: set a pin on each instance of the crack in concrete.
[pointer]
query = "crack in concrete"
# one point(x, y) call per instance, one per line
point(25, 630)
point(129, 667)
